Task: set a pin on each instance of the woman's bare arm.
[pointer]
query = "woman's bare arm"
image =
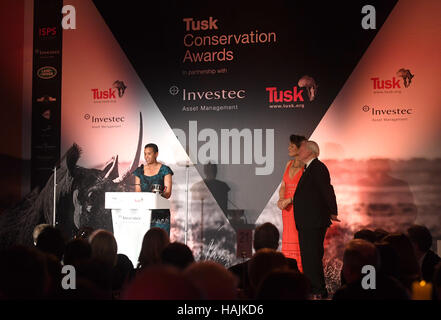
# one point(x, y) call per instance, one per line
point(168, 186)
point(137, 184)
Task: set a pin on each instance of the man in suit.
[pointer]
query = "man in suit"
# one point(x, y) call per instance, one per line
point(314, 208)
point(265, 236)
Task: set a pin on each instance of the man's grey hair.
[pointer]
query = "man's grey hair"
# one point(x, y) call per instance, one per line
point(37, 230)
point(313, 146)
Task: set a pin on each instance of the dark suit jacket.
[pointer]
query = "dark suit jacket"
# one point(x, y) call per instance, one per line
point(429, 263)
point(241, 271)
point(314, 199)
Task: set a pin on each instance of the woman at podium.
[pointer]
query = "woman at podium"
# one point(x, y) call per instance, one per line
point(151, 175)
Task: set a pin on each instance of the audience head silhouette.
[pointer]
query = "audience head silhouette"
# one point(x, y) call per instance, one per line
point(161, 282)
point(155, 240)
point(51, 241)
point(213, 280)
point(178, 255)
point(266, 236)
point(37, 230)
point(366, 234)
point(104, 247)
point(282, 284)
point(262, 262)
point(77, 251)
point(358, 253)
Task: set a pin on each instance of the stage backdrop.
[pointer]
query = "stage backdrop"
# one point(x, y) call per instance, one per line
point(220, 88)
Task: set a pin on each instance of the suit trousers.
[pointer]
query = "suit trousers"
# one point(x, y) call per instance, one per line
point(311, 250)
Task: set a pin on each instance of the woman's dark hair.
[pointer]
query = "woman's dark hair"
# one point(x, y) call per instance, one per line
point(154, 241)
point(421, 236)
point(297, 140)
point(153, 146)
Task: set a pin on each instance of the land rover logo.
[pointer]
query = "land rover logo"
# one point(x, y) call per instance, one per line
point(46, 72)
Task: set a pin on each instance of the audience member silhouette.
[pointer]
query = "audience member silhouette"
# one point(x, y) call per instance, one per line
point(23, 273)
point(388, 258)
point(98, 273)
point(104, 247)
point(408, 268)
point(37, 231)
point(99, 268)
point(359, 253)
point(212, 280)
point(422, 242)
point(265, 236)
point(284, 285)
point(168, 270)
point(123, 273)
point(365, 234)
point(159, 282)
point(53, 268)
point(178, 255)
point(77, 251)
point(155, 240)
point(264, 261)
point(380, 234)
point(51, 241)
point(437, 281)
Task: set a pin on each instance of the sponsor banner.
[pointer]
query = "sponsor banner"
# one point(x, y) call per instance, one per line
point(46, 90)
point(235, 86)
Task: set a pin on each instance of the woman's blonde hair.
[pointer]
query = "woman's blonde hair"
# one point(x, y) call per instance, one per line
point(104, 247)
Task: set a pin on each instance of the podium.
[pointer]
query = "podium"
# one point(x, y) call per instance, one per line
point(131, 216)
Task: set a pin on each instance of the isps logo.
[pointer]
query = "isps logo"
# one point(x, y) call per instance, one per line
point(395, 84)
point(47, 32)
point(109, 95)
point(305, 90)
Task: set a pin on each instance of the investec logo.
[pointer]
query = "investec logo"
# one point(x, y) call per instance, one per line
point(105, 121)
point(109, 95)
point(221, 94)
point(388, 113)
point(210, 100)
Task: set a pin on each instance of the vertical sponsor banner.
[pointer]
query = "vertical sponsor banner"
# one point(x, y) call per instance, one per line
point(46, 90)
point(381, 137)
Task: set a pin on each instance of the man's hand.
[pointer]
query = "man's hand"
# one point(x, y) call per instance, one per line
point(283, 203)
point(334, 218)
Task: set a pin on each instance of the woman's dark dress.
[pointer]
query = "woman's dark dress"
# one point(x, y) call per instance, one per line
point(161, 217)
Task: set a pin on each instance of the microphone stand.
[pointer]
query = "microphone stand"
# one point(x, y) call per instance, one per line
point(55, 197)
point(187, 166)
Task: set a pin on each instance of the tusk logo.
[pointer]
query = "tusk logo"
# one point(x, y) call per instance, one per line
point(120, 86)
point(406, 75)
